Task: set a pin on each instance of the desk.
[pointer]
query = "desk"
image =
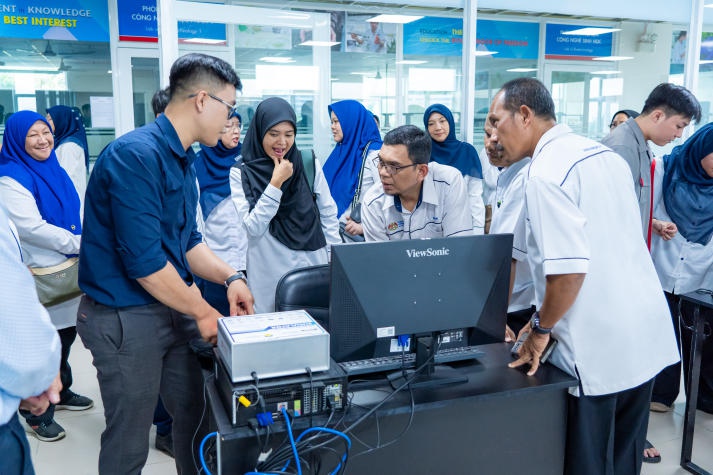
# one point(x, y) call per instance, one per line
point(500, 422)
point(693, 376)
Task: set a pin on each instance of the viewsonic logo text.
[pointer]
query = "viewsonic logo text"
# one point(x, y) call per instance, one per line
point(430, 252)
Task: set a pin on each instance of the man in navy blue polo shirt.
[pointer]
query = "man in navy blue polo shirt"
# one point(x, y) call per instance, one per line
point(140, 250)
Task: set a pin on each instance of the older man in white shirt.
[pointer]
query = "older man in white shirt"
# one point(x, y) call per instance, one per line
point(415, 199)
point(596, 288)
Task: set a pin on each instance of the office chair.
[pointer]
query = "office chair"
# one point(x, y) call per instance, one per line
point(305, 288)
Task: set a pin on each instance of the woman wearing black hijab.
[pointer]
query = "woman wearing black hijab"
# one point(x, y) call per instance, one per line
point(287, 226)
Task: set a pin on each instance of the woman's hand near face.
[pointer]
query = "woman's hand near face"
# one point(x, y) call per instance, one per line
point(282, 171)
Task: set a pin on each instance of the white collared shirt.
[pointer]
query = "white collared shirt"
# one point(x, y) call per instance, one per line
point(583, 217)
point(683, 266)
point(223, 236)
point(442, 211)
point(43, 244)
point(29, 344)
point(508, 202)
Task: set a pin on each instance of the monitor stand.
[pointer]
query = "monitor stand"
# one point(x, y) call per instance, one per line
point(430, 375)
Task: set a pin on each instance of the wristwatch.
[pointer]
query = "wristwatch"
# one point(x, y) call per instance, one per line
point(535, 325)
point(238, 275)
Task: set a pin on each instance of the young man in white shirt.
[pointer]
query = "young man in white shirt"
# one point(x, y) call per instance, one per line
point(595, 285)
point(415, 199)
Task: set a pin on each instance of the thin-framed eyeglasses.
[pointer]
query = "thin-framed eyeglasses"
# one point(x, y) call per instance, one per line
point(390, 169)
point(232, 109)
point(234, 127)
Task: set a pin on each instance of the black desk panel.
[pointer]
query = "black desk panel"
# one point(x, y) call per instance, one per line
point(699, 299)
point(500, 422)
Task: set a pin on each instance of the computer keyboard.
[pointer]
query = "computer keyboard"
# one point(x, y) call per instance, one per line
point(449, 355)
point(408, 361)
point(377, 365)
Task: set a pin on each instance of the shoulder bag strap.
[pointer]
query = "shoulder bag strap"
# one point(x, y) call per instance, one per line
point(357, 193)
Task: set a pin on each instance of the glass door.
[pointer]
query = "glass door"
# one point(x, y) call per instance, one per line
point(139, 80)
point(585, 96)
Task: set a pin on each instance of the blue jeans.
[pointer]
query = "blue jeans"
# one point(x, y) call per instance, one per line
point(141, 352)
point(14, 449)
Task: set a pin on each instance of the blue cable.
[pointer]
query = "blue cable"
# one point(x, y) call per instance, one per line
point(293, 442)
point(288, 426)
point(200, 451)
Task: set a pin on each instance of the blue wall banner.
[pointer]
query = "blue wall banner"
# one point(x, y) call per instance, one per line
point(73, 20)
point(444, 37)
point(577, 47)
point(510, 39)
point(138, 22)
point(434, 36)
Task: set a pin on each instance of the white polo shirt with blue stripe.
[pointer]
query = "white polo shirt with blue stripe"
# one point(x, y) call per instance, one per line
point(442, 210)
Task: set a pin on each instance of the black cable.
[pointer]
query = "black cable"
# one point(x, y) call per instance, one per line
point(198, 427)
point(307, 446)
point(373, 410)
point(395, 439)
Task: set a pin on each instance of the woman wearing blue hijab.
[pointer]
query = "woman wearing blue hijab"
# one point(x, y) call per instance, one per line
point(226, 239)
point(350, 169)
point(70, 144)
point(684, 262)
point(44, 206)
point(446, 149)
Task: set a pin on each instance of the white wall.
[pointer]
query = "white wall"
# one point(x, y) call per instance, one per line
point(647, 69)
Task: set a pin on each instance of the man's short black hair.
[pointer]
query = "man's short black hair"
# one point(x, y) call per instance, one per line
point(417, 142)
point(159, 101)
point(195, 71)
point(673, 100)
point(531, 93)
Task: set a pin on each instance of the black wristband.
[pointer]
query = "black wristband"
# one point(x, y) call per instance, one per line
point(535, 325)
point(234, 277)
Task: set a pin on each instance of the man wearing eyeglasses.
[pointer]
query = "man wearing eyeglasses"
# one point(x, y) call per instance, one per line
point(415, 199)
point(140, 251)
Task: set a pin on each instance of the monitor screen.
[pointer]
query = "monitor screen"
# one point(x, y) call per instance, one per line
point(455, 287)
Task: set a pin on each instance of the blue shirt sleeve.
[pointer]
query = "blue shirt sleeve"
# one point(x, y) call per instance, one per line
point(136, 202)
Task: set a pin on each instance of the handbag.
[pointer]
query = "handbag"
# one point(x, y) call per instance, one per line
point(57, 284)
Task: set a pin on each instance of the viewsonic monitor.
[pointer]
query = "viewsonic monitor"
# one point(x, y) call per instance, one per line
point(455, 287)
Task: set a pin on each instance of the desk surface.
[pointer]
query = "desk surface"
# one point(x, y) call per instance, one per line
point(489, 378)
point(477, 424)
point(704, 297)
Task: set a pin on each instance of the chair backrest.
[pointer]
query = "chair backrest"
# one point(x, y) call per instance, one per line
point(305, 288)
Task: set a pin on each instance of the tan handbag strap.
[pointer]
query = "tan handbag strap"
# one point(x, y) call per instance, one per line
point(51, 270)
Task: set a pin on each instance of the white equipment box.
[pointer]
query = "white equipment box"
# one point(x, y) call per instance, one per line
point(272, 345)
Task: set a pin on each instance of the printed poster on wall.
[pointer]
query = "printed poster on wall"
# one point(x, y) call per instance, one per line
point(361, 36)
point(264, 37)
point(559, 45)
point(444, 37)
point(679, 43)
point(71, 20)
point(138, 22)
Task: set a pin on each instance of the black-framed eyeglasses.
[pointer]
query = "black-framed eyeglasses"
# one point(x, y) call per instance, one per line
point(390, 169)
point(232, 109)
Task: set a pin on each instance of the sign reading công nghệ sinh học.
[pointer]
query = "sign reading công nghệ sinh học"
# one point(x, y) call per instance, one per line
point(73, 20)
